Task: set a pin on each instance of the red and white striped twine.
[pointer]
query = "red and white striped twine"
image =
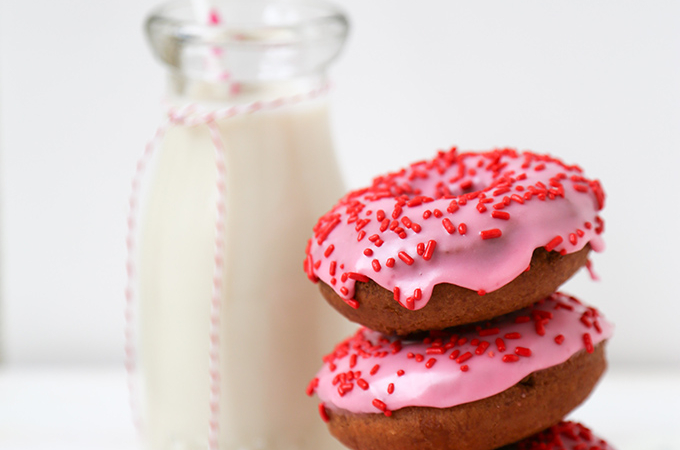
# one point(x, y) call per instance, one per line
point(190, 115)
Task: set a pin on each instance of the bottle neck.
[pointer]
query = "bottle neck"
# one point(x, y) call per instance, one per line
point(183, 90)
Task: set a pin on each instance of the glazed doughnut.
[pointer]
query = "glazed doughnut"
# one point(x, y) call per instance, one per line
point(461, 238)
point(481, 386)
point(563, 436)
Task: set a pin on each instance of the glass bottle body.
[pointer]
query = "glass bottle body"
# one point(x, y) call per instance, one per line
point(273, 327)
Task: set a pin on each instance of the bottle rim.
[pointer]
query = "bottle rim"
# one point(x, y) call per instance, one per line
point(313, 21)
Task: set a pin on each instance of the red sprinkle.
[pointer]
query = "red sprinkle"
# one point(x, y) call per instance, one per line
point(517, 198)
point(376, 265)
point(390, 262)
point(453, 207)
point(430, 362)
point(312, 386)
point(464, 357)
point(500, 215)
point(368, 252)
point(540, 327)
point(323, 413)
point(345, 388)
point(375, 369)
point(406, 258)
point(397, 212)
point(540, 314)
point(352, 302)
point(482, 348)
point(597, 326)
point(550, 246)
point(522, 351)
point(500, 344)
point(429, 249)
point(390, 388)
point(400, 373)
point(564, 306)
point(358, 277)
point(379, 404)
point(559, 339)
point(510, 358)
point(514, 335)
point(329, 250)
point(450, 228)
point(362, 384)
point(352, 360)
point(585, 321)
point(462, 228)
point(454, 354)
point(588, 341)
point(464, 368)
point(490, 234)
point(396, 293)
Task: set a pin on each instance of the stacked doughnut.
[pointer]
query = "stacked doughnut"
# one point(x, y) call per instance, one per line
point(452, 266)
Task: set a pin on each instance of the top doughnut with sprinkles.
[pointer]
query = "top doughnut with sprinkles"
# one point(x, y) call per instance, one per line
point(472, 220)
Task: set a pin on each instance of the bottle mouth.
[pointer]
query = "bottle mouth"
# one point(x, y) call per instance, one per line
point(248, 41)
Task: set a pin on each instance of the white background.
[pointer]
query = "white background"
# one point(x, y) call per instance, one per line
point(594, 82)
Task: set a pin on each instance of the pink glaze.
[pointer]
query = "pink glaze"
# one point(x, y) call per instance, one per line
point(563, 436)
point(431, 378)
point(450, 219)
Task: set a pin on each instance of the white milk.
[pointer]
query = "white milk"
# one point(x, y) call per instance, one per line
point(275, 326)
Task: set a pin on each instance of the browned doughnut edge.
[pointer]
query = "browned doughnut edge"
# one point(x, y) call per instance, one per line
point(539, 401)
point(452, 305)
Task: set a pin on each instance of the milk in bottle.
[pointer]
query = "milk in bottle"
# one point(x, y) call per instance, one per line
point(274, 174)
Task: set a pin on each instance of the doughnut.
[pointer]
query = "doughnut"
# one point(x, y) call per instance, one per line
point(481, 385)
point(461, 238)
point(563, 436)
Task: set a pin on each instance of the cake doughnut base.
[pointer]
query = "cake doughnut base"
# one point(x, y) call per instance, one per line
point(452, 305)
point(539, 401)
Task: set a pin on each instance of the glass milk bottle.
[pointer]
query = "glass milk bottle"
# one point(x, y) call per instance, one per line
point(228, 329)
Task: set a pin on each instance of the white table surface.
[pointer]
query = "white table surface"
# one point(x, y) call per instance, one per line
point(78, 408)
